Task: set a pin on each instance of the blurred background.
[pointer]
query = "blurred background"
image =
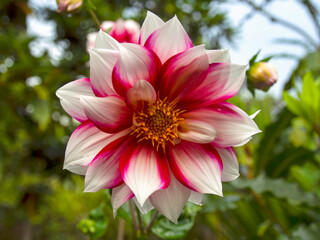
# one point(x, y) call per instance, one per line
point(277, 195)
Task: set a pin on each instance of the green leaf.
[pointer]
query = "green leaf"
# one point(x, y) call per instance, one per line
point(267, 59)
point(279, 188)
point(253, 59)
point(270, 141)
point(96, 224)
point(166, 229)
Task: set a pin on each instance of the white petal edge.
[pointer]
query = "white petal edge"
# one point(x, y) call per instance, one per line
point(84, 144)
point(216, 56)
point(229, 159)
point(171, 201)
point(105, 41)
point(151, 23)
point(196, 198)
point(102, 62)
point(147, 206)
point(70, 94)
point(119, 196)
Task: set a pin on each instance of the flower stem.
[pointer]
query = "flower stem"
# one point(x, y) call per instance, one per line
point(153, 219)
point(120, 234)
point(134, 216)
point(95, 18)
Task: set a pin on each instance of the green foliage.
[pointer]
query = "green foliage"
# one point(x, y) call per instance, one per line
point(95, 225)
point(165, 229)
point(280, 189)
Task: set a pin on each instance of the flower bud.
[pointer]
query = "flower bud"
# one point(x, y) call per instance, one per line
point(262, 75)
point(68, 5)
point(121, 30)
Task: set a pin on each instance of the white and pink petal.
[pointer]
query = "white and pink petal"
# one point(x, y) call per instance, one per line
point(102, 62)
point(110, 114)
point(144, 170)
point(197, 166)
point(141, 93)
point(103, 171)
point(105, 41)
point(169, 39)
point(84, 144)
point(182, 73)
point(70, 94)
point(135, 63)
point(222, 82)
point(150, 24)
point(234, 127)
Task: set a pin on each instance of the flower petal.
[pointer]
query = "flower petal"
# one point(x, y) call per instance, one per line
point(102, 62)
point(150, 24)
point(144, 170)
point(105, 41)
point(169, 40)
point(222, 82)
point(147, 206)
point(170, 201)
point(110, 114)
point(141, 92)
point(195, 198)
point(182, 73)
point(218, 56)
point(197, 131)
point(84, 144)
point(234, 127)
point(197, 166)
point(103, 171)
point(70, 94)
point(230, 164)
point(134, 63)
point(119, 196)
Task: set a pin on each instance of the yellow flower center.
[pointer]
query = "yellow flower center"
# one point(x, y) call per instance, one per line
point(158, 122)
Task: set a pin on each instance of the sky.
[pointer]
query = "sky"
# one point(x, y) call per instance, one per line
point(257, 33)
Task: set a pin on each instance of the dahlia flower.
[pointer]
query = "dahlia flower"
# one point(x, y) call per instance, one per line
point(155, 126)
point(121, 30)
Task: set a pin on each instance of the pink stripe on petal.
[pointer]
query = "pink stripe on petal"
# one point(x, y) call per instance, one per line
point(196, 166)
point(119, 196)
point(70, 94)
point(223, 81)
point(135, 63)
point(102, 62)
point(182, 73)
point(84, 144)
point(110, 114)
point(144, 170)
point(103, 172)
point(233, 126)
point(169, 40)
